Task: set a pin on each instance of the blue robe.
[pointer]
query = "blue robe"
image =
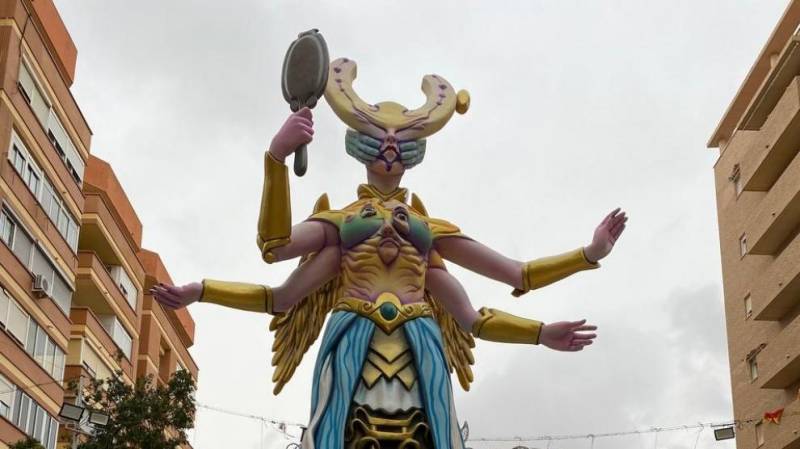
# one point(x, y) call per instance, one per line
point(338, 371)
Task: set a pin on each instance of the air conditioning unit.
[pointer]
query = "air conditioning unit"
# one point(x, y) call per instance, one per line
point(41, 286)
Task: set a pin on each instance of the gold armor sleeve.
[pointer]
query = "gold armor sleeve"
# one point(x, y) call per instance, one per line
point(275, 217)
point(238, 295)
point(495, 325)
point(540, 272)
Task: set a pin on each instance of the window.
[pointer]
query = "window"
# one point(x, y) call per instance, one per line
point(64, 147)
point(759, 434)
point(4, 304)
point(33, 93)
point(6, 229)
point(748, 306)
point(736, 178)
point(21, 415)
point(118, 333)
point(33, 337)
point(38, 262)
point(743, 245)
point(41, 346)
point(58, 364)
point(7, 391)
point(30, 343)
point(33, 419)
point(22, 246)
point(124, 283)
point(17, 324)
point(43, 191)
point(753, 366)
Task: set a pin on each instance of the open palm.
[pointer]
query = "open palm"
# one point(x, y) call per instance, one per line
point(567, 335)
point(606, 235)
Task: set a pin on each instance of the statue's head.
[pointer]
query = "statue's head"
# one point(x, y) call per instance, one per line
point(387, 137)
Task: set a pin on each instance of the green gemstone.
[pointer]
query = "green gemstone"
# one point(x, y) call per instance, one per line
point(388, 311)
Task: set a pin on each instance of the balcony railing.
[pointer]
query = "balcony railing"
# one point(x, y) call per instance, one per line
point(98, 291)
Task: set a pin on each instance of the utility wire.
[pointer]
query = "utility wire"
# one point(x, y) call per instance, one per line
point(655, 430)
point(281, 425)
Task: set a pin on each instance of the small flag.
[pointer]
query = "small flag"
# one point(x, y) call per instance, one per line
point(773, 416)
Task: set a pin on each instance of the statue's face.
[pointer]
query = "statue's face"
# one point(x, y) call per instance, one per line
point(388, 161)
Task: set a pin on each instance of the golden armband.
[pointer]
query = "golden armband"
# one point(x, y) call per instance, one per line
point(494, 325)
point(540, 272)
point(275, 217)
point(238, 295)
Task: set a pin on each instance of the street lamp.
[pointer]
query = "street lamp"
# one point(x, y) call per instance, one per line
point(75, 413)
point(98, 419)
point(724, 433)
point(71, 412)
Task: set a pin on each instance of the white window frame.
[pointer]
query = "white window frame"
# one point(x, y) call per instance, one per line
point(18, 226)
point(48, 105)
point(743, 245)
point(44, 187)
point(121, 277)
point(752, 368)
point(7, 390)
point(760, 440)
point(748, 306)
point(52, 125)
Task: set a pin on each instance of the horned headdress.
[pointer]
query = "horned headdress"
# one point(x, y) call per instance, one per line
point(389, 118)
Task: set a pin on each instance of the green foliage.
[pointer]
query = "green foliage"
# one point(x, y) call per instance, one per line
point(27, 443)
point(141, 413)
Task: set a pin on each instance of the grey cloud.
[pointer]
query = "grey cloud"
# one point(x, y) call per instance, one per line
point(577, 107)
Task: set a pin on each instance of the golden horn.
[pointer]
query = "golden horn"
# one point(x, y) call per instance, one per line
point(389, 117)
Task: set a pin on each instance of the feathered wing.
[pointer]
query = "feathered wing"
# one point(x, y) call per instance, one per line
point(297, 329)
point(458, 344)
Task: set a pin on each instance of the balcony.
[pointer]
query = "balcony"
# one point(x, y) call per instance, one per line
point(780, 359)
point(86, 325)
point(778, 216)
point(778, 142)
point(96, 290)
point(102, 233)
point(777, 291)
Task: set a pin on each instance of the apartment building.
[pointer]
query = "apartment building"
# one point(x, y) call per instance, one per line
point(758, 205)
point(73, 274)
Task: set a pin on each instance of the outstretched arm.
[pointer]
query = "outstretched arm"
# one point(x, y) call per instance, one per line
point(525, 276)
point(305, 279)
point(494, 325)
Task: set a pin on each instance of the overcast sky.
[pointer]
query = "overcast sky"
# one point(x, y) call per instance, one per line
point(577, 107)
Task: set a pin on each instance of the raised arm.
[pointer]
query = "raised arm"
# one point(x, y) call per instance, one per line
point(495, 325)
point(305, 279)
point(526, 276)
point(275, 231)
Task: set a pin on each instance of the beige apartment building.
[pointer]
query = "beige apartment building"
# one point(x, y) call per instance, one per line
point(73, 274)
point(758, 205)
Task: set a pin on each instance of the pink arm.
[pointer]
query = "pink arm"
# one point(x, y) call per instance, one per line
point(446, 288)
point(481, 259)
point(306, 238)
point(306, 278)
point(561, 336)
